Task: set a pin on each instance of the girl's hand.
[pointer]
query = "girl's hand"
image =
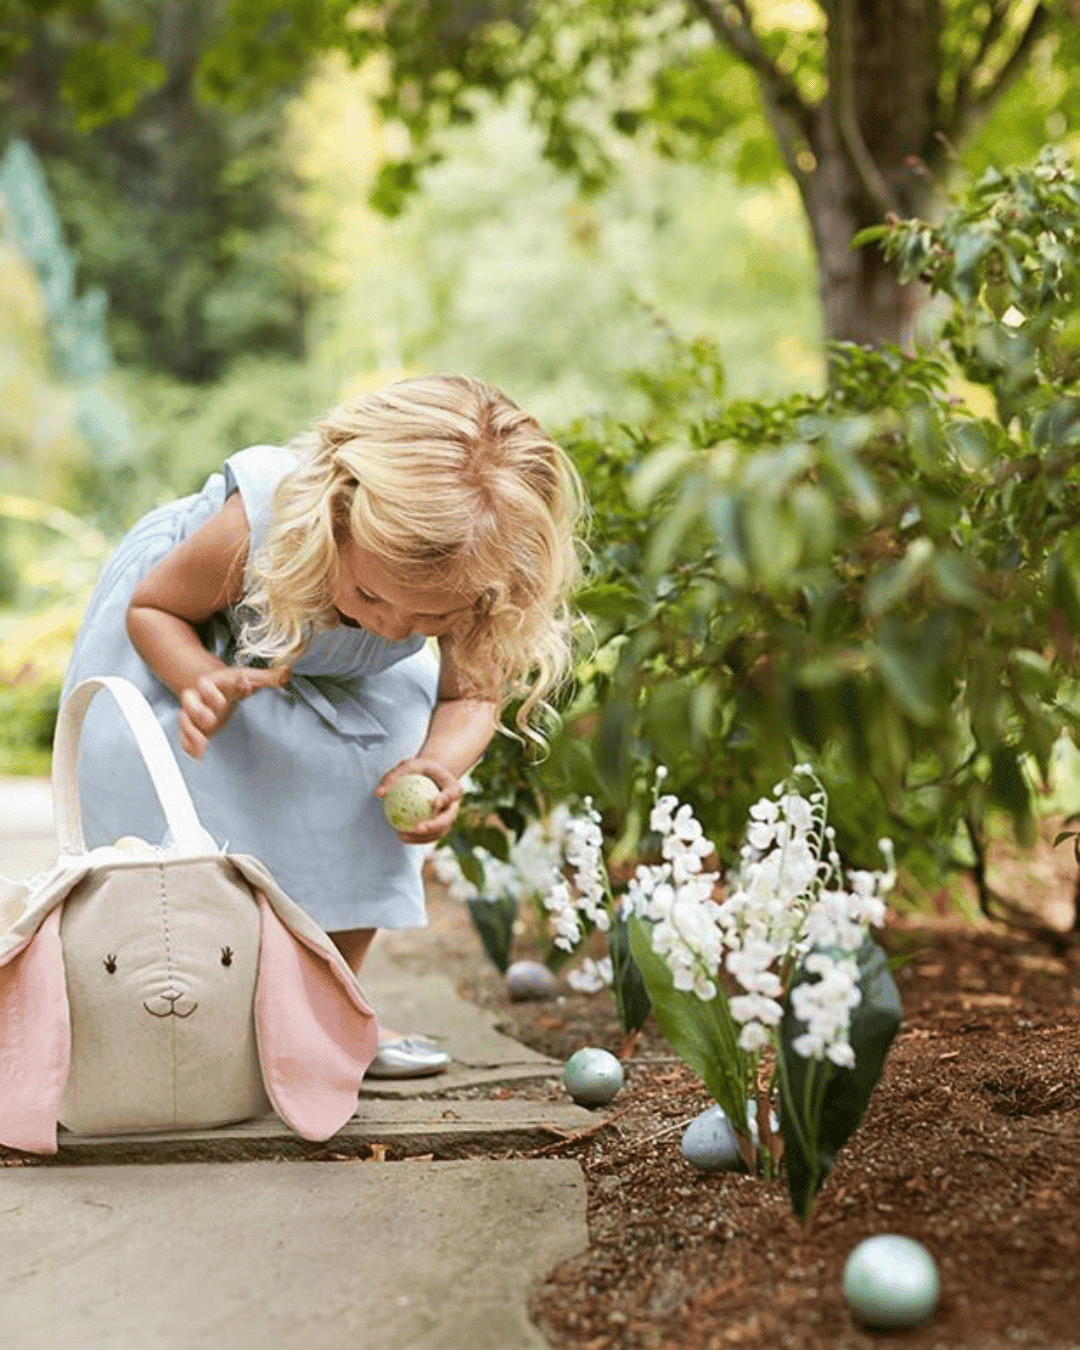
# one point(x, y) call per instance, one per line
point(207, 705)
point(445, 807)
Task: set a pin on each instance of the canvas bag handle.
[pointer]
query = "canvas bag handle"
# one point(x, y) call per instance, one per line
point(188, 836)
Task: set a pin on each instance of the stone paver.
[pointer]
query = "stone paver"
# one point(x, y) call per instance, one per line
point(272, 1256)
point(428, 1004)
point(442, 1128)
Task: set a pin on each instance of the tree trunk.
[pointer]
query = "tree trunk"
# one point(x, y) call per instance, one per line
point(868, 148)
point(861, 299)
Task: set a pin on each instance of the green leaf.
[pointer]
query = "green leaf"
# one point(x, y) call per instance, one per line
point(969, 249)
point(656, 472)
point(1009, 789)
point(842, 1095)
point(631, 996)
point(613, 601)
point(494, 922)
point(702, 1034)
point(493, 840)
point(870, 235)
point(906, 681)
point(472, 868)
point(773, 538)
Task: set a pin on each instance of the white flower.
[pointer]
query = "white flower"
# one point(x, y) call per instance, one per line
point(754, 1037)
point(685, 826)
point(591, 976)
point(798, 811)
point(756, 1008)
point(840, 1052)
point(660, 818)
point(566, 927)
point(825, 1005)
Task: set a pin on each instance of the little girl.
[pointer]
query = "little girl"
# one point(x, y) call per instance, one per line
point(279, 620)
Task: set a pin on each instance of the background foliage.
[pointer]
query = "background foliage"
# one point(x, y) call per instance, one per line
point(878, 578)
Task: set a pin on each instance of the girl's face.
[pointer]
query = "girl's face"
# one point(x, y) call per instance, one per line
point(368, 594)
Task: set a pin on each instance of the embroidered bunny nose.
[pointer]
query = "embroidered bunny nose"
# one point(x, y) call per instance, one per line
point(171, 1010)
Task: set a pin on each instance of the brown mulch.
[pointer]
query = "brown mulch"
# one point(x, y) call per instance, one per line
point(970, 1145)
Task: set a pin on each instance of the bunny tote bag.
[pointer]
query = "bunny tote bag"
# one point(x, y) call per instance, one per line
point(147, 989)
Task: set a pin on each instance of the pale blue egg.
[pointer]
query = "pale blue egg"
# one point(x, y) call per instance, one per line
point(592, 1076)
point(709, 1142)
point(891, 1281)
point(528, 980)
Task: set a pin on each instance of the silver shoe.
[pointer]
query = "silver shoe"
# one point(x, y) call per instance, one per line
point(408, 1057)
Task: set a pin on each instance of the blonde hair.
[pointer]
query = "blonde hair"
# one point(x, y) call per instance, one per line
point(444, 478)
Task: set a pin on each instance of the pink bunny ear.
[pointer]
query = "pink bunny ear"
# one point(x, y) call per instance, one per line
point(35, 1039)
point(316, 1038)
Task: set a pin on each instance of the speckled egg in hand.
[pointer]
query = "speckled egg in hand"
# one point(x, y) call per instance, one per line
point(409, 800)
point(891, 1281)
point(592, 1076)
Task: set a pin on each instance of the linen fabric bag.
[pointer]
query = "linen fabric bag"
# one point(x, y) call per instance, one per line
point(149, 989)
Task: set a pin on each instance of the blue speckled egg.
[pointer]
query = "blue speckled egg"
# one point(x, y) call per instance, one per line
point(891, 1281)
point(592, 1076)
point(709, 1142)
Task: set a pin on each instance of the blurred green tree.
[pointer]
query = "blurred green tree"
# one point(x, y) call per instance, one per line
point(863, 102)
point(182, 211)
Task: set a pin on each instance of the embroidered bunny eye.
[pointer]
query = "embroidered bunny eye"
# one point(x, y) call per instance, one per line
point(110, 964)
point(226, 956)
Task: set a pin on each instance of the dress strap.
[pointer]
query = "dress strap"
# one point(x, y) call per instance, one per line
point(255, 473)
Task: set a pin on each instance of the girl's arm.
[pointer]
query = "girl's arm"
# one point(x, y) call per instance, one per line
point(459, 732)
point(200, 576)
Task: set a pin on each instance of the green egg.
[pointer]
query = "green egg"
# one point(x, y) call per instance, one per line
point(891, 1281)
point(592, 1076)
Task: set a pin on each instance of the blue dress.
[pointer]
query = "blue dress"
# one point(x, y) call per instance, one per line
point(290, 776)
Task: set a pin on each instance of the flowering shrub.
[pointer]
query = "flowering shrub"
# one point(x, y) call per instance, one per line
point(494, 887)
point(773, 990)
point(884, 576)
point(557, 865)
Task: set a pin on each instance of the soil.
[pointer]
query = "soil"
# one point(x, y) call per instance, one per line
point(970, 1145)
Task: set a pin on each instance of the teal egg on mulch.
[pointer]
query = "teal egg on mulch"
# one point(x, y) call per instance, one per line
point(529, 979)
point(709, 1142)
point(891, 1281)
point(592, 1076)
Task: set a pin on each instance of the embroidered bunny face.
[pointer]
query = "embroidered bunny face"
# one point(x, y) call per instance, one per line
point(161, 993)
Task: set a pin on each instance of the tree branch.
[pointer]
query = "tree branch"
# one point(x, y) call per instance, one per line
point(999, 12)
point(745, 43)
point(969, 110)
point(842, 61)
point(790, 117)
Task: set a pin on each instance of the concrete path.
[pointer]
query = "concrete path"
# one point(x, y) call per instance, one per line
point(248, 1236)
point(272, 1256)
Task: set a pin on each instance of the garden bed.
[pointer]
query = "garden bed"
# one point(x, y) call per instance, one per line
point(969, 1145)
